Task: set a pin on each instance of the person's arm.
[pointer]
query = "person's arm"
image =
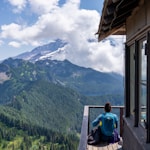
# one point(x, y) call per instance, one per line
point(116, 124)
point(116, 121)
point(96, 121)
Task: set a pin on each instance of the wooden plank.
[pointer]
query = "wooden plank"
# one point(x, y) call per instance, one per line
point(90, 147)
point(95, 148)
point(104, 146)
point(114, 146)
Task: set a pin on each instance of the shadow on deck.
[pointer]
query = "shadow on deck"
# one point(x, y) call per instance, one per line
point(86, 128)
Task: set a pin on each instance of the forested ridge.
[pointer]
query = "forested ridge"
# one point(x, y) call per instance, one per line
point(17, 132)
point(39, 109)
point(38, 118)
point(25, 137)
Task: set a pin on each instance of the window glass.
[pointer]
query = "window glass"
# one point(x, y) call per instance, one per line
point(143, 82)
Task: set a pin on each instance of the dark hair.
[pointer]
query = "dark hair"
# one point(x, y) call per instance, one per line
point(107, 107)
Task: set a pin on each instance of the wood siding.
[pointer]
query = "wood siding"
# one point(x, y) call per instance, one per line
point(139, 22)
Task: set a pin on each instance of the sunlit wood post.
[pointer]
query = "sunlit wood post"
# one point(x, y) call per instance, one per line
point(84, 130)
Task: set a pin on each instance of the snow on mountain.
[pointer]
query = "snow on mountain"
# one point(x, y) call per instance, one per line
point(59, 54)
point(53, 50)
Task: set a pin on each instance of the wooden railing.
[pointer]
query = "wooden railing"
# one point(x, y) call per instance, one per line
point(86, 124)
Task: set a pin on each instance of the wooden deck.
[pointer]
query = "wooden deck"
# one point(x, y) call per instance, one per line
point(104, 146)
point(85, 130)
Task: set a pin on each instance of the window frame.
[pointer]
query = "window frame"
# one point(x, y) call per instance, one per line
point(137, 81)
point(127, 81)
point(148, 88)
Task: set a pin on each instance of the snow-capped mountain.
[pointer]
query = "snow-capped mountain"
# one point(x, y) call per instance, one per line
point(90, 56)
point(53, 50)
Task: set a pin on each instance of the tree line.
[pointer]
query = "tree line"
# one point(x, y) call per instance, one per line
point(28, 134)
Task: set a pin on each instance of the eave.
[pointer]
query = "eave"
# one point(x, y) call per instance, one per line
point(114, 15)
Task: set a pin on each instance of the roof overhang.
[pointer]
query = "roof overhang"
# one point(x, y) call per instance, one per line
point(114, 15)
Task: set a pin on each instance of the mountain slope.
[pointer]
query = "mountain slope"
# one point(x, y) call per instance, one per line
point(85, 80)
point(46, 93)
point(47, 105)
point(17, 73)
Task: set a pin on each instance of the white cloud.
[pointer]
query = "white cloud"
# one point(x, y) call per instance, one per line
point(101, 56)
point(43, 6)
point(14, 44)
point(108, 58)
point(73, 25)
point(18, 4)
point(1, 42)
point(10, 31)
point(21, 33)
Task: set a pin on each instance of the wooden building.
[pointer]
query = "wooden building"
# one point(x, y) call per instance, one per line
point(132, 18)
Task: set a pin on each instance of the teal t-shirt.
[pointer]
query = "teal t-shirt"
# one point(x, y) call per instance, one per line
point(107, 122)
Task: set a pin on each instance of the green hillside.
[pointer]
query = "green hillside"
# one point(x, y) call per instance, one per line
point(35, 138)
point(47, 105)
point(43, 102)
point(15, 74)
point(42, 113)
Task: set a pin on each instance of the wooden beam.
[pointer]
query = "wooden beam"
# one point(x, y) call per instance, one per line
point(84, 130)
point(115, 1)
point(107, 19)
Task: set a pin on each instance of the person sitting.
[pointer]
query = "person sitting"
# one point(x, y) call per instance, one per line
point(106, 124)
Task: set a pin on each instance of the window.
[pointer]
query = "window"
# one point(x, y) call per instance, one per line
point(143, 81)
point(138, 83)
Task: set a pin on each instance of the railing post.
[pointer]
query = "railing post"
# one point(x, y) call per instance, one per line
point(88, 120)
point(84, 130)
point(121, 121)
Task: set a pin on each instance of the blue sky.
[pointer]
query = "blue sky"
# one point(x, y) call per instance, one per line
point(26, 24)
